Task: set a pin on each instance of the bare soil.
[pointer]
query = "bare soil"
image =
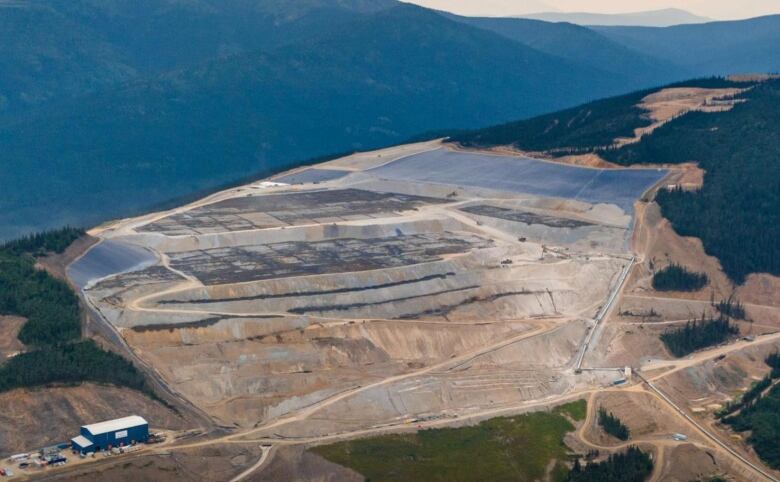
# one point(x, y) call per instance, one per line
point(299, 464)
point(31, 419)
point(668, 104)
point(56, 264)
point(688, 462)
point(9, 343)
point(218, 463)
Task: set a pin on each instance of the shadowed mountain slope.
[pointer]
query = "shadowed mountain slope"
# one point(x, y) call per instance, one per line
point(384, 78)
point(585, 47)
point(55, 48)
point(715, 48)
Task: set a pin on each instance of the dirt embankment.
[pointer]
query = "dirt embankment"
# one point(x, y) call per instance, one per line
point(668, 104)
point(56, 264)
point(659, 245)
point(31, 419)
point(9, 329)
point(214, 463)
point(297, 463)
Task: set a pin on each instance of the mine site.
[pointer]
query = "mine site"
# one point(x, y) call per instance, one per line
point(419, 287)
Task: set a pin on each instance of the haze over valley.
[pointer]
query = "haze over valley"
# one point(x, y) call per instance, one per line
point(361, 240)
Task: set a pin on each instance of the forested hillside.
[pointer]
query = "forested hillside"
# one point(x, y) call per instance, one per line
point(716, 48)
point(584, 128)
point(586, 47)
point(55, 48)
point(736, 213)
point(109, 108)
point(385, 78)
point(55, 352)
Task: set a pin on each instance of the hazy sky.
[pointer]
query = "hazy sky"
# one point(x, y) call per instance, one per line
point(719, 9)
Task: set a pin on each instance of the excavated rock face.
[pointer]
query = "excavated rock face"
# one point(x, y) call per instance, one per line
point(423, 296)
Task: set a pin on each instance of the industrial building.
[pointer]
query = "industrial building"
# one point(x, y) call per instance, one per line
point(112, 433)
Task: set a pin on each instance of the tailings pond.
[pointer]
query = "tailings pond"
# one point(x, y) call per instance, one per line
point(524, 175)
point(108, 258)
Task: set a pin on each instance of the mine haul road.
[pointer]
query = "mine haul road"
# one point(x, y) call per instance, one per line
point(243, 437)
point(263, 434)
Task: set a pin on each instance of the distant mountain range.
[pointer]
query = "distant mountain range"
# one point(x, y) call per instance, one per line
point(654, 18)
point(111, 107)
point(714, 48)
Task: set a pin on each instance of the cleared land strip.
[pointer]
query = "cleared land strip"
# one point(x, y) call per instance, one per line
point(707, 433)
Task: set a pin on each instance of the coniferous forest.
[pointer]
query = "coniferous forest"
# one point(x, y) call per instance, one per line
point(633, 465)
point(736, 213)
point(759, 414)
point(732, 308)
point(678, 278)
point(52, 331)
point(612, 425)
point(698, 334)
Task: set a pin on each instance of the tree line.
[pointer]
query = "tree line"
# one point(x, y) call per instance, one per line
point(736, 213)
point(633, 465)
point(49, 304)
point(698, 334)
point(732, 308)
point(760, 415)
point(586, 128)
point(678, 278)
point(40, 244)
point(52, 332)
point(612, 425)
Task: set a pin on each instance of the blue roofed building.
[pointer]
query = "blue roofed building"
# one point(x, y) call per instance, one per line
point(112, 433)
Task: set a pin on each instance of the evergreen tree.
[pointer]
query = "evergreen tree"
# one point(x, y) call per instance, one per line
point(677, 278)
point(698, 334)
point(633, 465)
point(612, 425)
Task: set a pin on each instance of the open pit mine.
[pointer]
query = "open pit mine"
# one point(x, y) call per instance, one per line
point(407, 284)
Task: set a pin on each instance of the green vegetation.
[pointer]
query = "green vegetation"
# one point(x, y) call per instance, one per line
point(612, 425)
point(577, 410)
point(756, 389)
point(40, 244)
point(698, 334)
point(585, 128)
point(773, 361)
point(736, 213)
point(633, 465)
point(516, 448)
point(747, 398)
point(678, 278)
point(762, 420)
point(731, 308)
point(53, 326)
point(50, 306)
point(70, 363)
point(572, 130)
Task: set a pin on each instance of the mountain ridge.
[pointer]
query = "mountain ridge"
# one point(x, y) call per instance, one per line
point(650, 18)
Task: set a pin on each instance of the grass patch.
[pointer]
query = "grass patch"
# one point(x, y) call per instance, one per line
point(512, 448)
point(577, 410)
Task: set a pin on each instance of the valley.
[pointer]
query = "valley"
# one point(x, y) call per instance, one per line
point(564, 295)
